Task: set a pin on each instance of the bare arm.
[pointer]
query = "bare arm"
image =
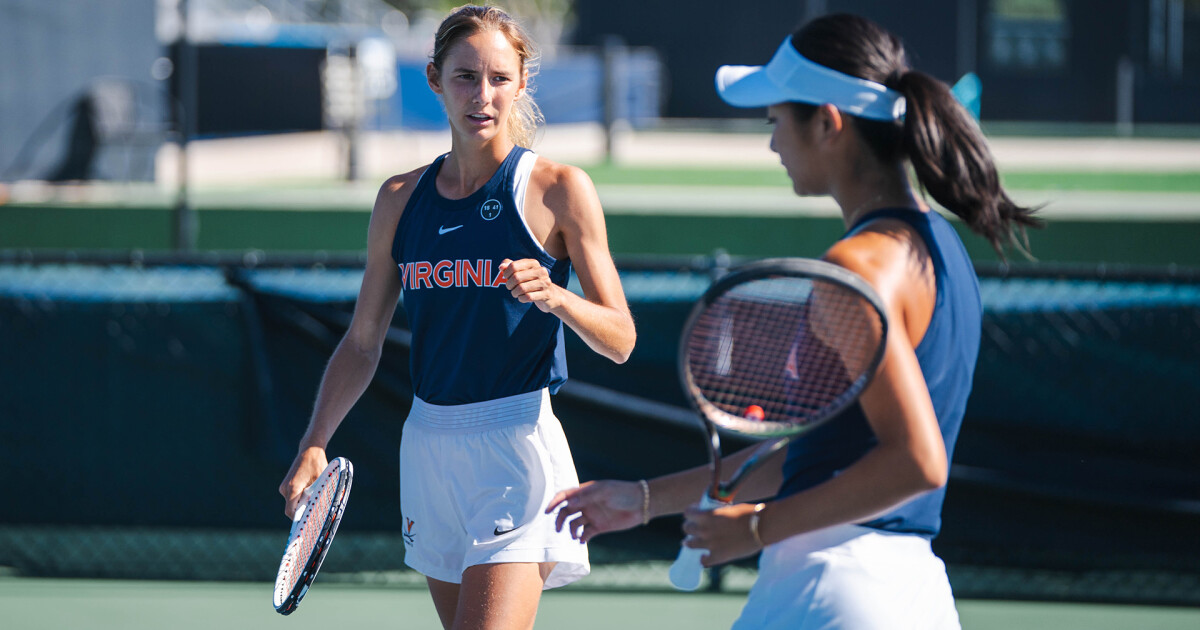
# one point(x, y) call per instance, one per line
point(601, 317)
point(354, 361)
point(910, 457)
point(600, 507)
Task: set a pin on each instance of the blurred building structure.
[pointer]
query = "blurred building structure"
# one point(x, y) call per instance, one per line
point(94, 90)
point(77, 95)
point(1096, 61)
point(249, 67)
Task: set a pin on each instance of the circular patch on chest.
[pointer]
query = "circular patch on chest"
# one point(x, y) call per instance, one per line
point(490, 209)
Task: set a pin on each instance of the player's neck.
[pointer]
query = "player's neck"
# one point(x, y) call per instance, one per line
point(470, 165)
point(867, 192)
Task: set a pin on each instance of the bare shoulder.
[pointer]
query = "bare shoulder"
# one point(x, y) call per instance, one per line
point(390, 202)
point(397, 190)
point(561, 184)
point(881, 245)
point(556, 173)
point(891, 256)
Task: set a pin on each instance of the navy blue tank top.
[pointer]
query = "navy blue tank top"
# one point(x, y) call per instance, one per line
point(947, 355)
point(471, 339)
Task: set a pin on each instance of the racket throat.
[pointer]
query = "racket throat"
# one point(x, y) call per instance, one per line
point(723, 496)
point(721, 492)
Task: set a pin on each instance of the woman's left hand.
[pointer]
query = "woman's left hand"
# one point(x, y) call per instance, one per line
point(529, 281)
point(724, 532)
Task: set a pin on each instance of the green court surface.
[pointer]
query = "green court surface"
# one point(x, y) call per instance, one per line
point(52, 604)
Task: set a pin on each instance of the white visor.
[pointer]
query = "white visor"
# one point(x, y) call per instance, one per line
point(789, 77)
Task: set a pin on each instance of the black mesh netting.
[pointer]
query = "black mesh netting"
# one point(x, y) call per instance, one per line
point(149, 413)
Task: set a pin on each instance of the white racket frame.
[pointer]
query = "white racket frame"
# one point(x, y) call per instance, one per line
point(339, 471)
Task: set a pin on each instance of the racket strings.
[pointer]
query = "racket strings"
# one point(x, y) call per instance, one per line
point(793, 347)
point(312, 534)
point(312, 529)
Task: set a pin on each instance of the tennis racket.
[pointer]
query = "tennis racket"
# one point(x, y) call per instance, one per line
point(771, 351)
point(313, 528)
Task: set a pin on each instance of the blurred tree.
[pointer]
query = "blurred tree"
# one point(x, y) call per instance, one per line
point(522, 8)
point(545, 19)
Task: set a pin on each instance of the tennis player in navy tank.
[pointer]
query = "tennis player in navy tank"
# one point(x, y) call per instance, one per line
point(946, 354)
point(479, 246)
point(844, 519)
point(449, 253)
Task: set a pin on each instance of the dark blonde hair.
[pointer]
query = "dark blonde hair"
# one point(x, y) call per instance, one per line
point(948, 152)
point(470, 19)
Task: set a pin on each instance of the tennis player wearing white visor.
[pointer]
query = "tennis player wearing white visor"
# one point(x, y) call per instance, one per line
point(848, 510)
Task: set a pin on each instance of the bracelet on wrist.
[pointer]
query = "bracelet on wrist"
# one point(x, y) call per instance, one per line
point(754, 524)
point(645, 501)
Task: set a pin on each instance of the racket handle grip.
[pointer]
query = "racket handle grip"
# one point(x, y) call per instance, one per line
point(686, 570)
point(300, 509)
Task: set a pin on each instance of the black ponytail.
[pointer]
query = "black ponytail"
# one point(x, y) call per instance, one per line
point(953, 164)
point(948, 152)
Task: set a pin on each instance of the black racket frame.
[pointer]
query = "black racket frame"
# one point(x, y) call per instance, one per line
point(724, 491)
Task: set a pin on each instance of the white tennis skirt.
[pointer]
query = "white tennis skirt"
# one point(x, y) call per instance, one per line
point(475, 480)
point(850, 577)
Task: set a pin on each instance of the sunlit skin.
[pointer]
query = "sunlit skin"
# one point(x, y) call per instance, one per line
point(823, 155)
point(789, 138)
point(480, 79)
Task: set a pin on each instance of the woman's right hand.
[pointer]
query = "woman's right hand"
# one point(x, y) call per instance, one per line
point(601, 506)
point(304, 471)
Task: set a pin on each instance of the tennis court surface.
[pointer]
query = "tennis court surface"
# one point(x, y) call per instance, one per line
point(53, 604)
